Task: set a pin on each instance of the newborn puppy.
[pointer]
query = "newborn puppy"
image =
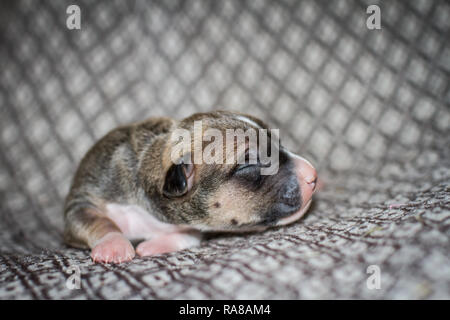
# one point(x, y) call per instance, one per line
point(128, 186)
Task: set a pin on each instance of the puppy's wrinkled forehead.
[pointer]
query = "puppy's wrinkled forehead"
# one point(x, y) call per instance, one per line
point(239, 136)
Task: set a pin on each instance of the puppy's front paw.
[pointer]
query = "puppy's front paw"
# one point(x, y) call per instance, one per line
point(167, 243)
point(113, 248)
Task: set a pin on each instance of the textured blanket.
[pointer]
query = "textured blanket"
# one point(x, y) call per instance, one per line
point(369, 107)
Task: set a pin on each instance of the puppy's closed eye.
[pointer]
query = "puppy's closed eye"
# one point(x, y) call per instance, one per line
point(246, 167)
point(249, 172)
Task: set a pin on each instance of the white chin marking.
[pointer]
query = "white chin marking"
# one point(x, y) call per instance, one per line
point(295, 216)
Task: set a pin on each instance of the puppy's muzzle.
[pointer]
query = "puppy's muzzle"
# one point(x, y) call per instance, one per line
point(306, 178)
point(289, 201)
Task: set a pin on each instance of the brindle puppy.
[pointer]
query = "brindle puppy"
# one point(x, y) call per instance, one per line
point(127, 187)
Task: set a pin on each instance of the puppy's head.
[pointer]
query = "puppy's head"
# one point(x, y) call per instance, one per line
point(233, 194)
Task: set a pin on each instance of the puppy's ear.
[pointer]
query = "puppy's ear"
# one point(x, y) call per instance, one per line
point(179, 180)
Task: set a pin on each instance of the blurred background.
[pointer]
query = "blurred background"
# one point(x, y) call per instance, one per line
point(353, 101)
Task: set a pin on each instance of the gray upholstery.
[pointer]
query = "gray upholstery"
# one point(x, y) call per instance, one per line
point(369, 108)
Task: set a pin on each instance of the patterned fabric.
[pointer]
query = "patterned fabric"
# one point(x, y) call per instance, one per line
point(369, 108)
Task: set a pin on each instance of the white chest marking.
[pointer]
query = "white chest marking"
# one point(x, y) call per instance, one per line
point(135, 222)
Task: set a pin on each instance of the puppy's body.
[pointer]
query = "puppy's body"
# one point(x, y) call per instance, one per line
point(127, 187)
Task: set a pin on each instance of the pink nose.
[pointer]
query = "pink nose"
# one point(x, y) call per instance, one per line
point(309, 174)
point(307, 178)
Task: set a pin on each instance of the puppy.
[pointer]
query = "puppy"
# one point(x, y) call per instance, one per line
point(129, 186)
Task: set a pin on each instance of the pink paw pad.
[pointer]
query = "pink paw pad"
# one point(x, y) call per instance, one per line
point(113, 248)
point(167, 243)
